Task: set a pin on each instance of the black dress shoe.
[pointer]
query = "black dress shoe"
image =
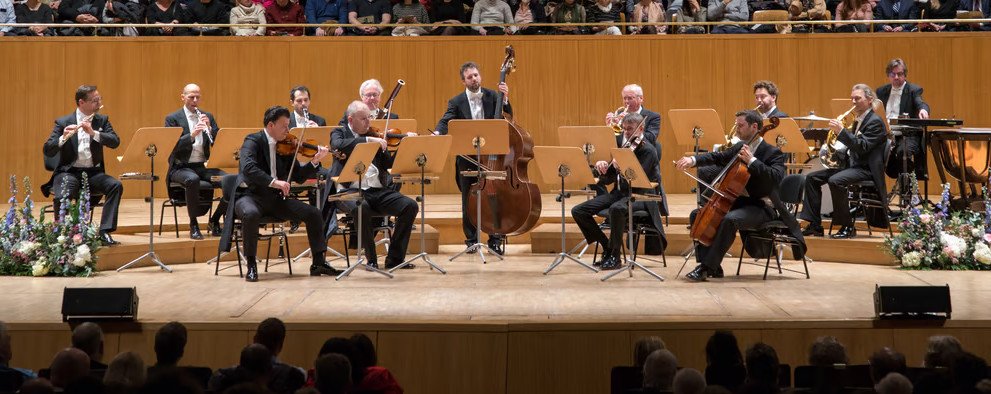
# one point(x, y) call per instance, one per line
point(698, 274)
point(293, 227)
point(813, 231)
point(845, 232)
point(214, 228)
point(252, 275)
point(716, 273)
point(194, 232)
point(323, 269)
point(106, 239)
point(497, 244)
point(610, 263)
point(389, 266)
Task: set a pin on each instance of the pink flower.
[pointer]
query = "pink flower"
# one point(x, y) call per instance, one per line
point(77, 239)
point(987, 238)
point(925, 218)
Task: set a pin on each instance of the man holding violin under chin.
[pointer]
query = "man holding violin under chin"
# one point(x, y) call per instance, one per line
point(266, 163)
point(379, 197)
point(757, 204)
point(616, 200)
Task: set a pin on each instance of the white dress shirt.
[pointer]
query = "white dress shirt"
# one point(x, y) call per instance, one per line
point(893, 108)
point(271, 158)
point(475, 102)
point(84, 159)
point(371, 177)
point(300, 120)
point(197, 155)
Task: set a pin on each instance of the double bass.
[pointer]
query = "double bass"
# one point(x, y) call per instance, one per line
point(510, 206)
point(727, 186)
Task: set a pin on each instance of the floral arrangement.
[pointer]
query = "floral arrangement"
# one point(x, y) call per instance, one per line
point(937, 239)
point(66, 246)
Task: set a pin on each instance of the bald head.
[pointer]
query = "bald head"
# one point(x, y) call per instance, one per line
point(191, 88)
point(68, 365)
point(659, 370)
point(689, 381)
point(88, 337)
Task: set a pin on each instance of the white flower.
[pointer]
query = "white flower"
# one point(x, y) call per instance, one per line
point(82, 256)
point(912, 259)
point(26, 247)
point(953, 245)
point(61, 239)
point(982, 253)
point(39, 269)
point(976, 232)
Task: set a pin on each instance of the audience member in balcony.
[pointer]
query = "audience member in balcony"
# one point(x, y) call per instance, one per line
point(762, 369)
point(603, 11)
point(332, 374)
point(210, 12)
point(807, 10)
point(895, 10)
point(982, 6)
point(370, 377)
point(492, 11)
point(826, 351)
point(724, 363)
point(689, 381)
point(885, 361)
point(728, 11)
point(88, 337)
point(937, 9)
point(7, 353)
point(7, 15)
point(658, 371)
point(940, 351)
point(67, 366)
point(284, 12)
point(853, 10)
point(894, 383)
point(125, 374)
point(367, 14)
point(34, 11)
point(410, 12)
point(327, 11)
point(567, 13)
point(447, 15)
point(166, 12)
point(644, 347)
point(247, 12)
point(648, 11)
point(529, 12)
point(80, 11)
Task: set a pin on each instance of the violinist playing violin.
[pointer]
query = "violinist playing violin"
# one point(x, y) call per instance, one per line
point(265, 172)
point(379, 195)
point(633, 137)
point(757, 204)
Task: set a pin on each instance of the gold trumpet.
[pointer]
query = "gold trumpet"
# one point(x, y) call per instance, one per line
point(829, 155)
point(616, 123)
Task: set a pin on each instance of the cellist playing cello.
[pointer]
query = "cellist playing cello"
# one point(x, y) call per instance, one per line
point(758, 202)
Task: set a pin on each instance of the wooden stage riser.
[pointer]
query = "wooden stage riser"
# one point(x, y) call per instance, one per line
point(502, 359)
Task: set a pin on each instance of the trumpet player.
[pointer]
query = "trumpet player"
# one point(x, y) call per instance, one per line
point(77, 141)
point(861, 134)
point(188, 158)
point(766, 96)
point(633, 104)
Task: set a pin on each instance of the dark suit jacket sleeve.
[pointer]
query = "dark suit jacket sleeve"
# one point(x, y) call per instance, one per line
point(214, 128)
point(108, 137)
point(718, 158)
point(918, 101)
point(451, 113)
point(51, 147)
point(319, 120)
point(303, 172)
point(251, 167)
point(185, 144)
point(871, 134)
point(653, 125)
point(344, 119)
point(341, 139)
point(771, 171)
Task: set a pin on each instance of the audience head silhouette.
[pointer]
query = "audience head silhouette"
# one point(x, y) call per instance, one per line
point(333, 374)
point(659, 370)
point(827, 351)
point(170, 343)
point(644, 347)
point(689, 381)
point(88, 337)
point(68, 365)
point(271, 333)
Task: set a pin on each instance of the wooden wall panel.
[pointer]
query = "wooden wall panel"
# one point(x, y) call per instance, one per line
point(559, 81)
point(446, 362)
point(565, 362)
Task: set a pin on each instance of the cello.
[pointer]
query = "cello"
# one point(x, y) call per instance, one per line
point(510, 206)
point(727, 186)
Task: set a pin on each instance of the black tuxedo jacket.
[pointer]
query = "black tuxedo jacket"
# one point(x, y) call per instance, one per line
point(911, 102)
point(343, 139)
point(184, 147)
point(255, 167)
point(884, 10)
point(648, 157)
point(766, 174)
point(60, 159)
point(777, 113)
point(867, 150)
point(320, 121)
point(344, 119)
point(458, 108)
point(652, 126)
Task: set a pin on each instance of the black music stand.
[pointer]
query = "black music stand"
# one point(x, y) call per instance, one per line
point(630, 169)
point(145, 143)
point(478, 137)
point(567, 163)
point(594, 142)
point(414, 156)
point(354, 171)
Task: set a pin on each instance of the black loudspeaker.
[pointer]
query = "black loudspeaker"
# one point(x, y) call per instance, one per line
point(101, 303)
point(912, 302)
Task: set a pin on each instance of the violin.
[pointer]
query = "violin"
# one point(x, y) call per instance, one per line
point(308, 148)
point(392, 137)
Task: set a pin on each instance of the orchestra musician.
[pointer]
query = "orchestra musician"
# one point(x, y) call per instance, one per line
point(370, 93)
point(299, 98)
point(903, 99)
point(633, 103)
point(865, 141)
point(475, 102)
point(266, 175)
point(766, 95)
point(77, 141)
point(758, 205)
point(378, 196)
point(615, 201)
point(186, 163)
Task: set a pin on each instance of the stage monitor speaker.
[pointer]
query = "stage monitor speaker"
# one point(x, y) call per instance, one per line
point(912, 302)
point(100, 303)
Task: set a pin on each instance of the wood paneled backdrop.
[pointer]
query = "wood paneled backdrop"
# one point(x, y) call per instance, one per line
point(559, 81)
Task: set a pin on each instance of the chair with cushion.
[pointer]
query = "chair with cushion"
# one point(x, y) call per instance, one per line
point(791, 192)
point(230, 184)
